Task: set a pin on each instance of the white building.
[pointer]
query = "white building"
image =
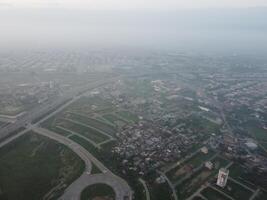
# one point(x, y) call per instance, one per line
point(222, 177)
point(209, 165)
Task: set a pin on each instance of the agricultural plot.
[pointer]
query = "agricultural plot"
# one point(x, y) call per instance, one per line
point(188, 166)
point(37, 168)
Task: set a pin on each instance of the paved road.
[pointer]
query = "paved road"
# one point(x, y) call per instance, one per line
point(146, 188)
point(73, 192)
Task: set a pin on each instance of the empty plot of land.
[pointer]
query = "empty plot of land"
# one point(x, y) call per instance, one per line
point(89, 105)
point(236, 191)
point(212, 194)
point(191, 185)
point(128, 116)
point(100, 125)
point(117, 121)
point(85, 131)
point(238, 173)
point(188, 166)
point(33, 167)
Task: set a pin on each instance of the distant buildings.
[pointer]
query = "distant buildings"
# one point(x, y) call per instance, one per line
point(222, 177)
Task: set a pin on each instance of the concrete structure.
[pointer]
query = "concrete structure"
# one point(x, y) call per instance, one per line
point(222, 177)
point(204, 150)
point(209, 165)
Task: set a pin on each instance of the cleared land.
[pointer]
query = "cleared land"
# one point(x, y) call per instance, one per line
point(92, 118)
point(193, 183)
point(88, 132)
point(38, 167)
point(236, 191)
point(212, 194)
point(100, 125)
point(238, 173)
point(188, 166)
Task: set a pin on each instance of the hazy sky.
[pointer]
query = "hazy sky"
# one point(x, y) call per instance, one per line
point(192, 24)
point(133, 4)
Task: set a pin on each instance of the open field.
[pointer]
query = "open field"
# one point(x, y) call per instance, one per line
point(212, 194)
point(82, 118)
point(89, 105)
point(238, 173)
point(98, 191)
point(97, 124)
point(128, 116)
point(188, 166)
point(115, 120)
point(189, 186)
point(262, 195)
point(236, 191)
point(90, 133)
point(12, 110)
point(38, 167)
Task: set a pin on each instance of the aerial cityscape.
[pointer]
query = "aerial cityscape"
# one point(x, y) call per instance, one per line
point(130, 123)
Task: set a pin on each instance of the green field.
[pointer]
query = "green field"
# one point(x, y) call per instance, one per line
point(212, 194)
point(189, 186)
point(117, 121)
point(128, 116)
point(236, 191)
point(198, 198)
point(100, 125)
point(262, 195)
point(33, 165)
point(86, 105)
point(87, 132)
point(238, 173)
point(98, 191)
point(186, 167)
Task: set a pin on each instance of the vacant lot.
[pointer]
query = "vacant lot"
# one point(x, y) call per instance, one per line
point(33, 167)
point(236, 191)
point(97, 124)
point(188, 166)
point(88, 132)
point(212, 194)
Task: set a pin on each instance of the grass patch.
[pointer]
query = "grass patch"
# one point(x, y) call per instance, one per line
point(212, 194)
point(98, 191)
point(32, 165)
point(236, 191)
point(100, 125)
point(87, 132)
point(128, 116)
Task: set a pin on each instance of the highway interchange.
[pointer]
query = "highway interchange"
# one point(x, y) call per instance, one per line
point(73, 192)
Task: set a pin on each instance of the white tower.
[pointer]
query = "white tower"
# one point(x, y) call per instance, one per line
point(222, 177)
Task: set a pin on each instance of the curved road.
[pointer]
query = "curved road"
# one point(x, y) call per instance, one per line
point(73, 192)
